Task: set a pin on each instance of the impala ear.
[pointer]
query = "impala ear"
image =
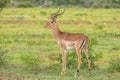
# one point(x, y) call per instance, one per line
point(55, 19)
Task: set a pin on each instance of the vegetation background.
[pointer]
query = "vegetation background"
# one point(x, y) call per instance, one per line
point(67, 3)
point(29, 52)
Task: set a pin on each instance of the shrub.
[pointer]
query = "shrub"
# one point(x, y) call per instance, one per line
point(20, 17)
point(100, 26)
point(93, 57)
point(72, 58)
point(3, 3)
point(47, 3)
point(43, 13)
point(114, 63)
point(25, 4)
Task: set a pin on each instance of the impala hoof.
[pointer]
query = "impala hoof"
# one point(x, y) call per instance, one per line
point(62, 74)
point(75, 75)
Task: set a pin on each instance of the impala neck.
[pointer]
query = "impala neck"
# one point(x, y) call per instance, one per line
point(56, 31)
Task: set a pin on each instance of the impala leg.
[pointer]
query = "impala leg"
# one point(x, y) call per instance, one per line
point(79, 61)
point(88, 59)
point(64, 53)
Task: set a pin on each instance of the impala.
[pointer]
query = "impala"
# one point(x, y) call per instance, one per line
point(67, 41)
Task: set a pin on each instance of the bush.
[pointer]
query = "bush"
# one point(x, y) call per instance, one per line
point(72, 58)
point(47, 3)
point(93, 57)
point(25, 4)
point(114, 64)
point(43, 13)
point(3, 3)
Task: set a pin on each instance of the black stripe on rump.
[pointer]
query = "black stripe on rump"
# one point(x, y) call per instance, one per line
point(82, 45)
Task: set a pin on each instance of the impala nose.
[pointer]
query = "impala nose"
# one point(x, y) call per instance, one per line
point(44, 27)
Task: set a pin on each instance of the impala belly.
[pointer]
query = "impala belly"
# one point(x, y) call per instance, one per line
point(69, 45)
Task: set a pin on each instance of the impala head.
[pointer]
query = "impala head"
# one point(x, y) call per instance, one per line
point(52, 21)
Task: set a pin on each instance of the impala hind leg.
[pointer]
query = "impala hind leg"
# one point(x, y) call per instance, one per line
point(87, 57)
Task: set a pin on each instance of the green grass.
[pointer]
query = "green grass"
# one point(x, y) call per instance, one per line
point(23, 36)
point(53, 73)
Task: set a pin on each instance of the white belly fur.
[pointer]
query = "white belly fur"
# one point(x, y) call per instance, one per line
point(69, 45)
point(70, 48)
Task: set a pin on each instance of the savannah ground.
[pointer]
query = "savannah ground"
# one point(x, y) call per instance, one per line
point(31, 53)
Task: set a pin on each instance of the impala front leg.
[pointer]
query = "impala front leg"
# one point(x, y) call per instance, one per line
point(64, 53)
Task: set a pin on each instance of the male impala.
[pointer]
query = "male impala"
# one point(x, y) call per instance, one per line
point(68, 41)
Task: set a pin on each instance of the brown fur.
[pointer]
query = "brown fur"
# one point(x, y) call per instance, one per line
point(65, 40)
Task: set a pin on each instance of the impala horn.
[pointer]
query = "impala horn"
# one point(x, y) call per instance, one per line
point(57, 13)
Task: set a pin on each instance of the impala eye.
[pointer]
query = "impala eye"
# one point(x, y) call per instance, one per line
point(52, 22)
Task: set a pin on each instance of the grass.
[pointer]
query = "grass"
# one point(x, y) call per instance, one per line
point(54, 74)
point(23, 36)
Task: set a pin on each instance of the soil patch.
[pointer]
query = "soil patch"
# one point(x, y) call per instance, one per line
point(110, 22)
point(72, 22)
point(19, 21)
point(77, 22)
